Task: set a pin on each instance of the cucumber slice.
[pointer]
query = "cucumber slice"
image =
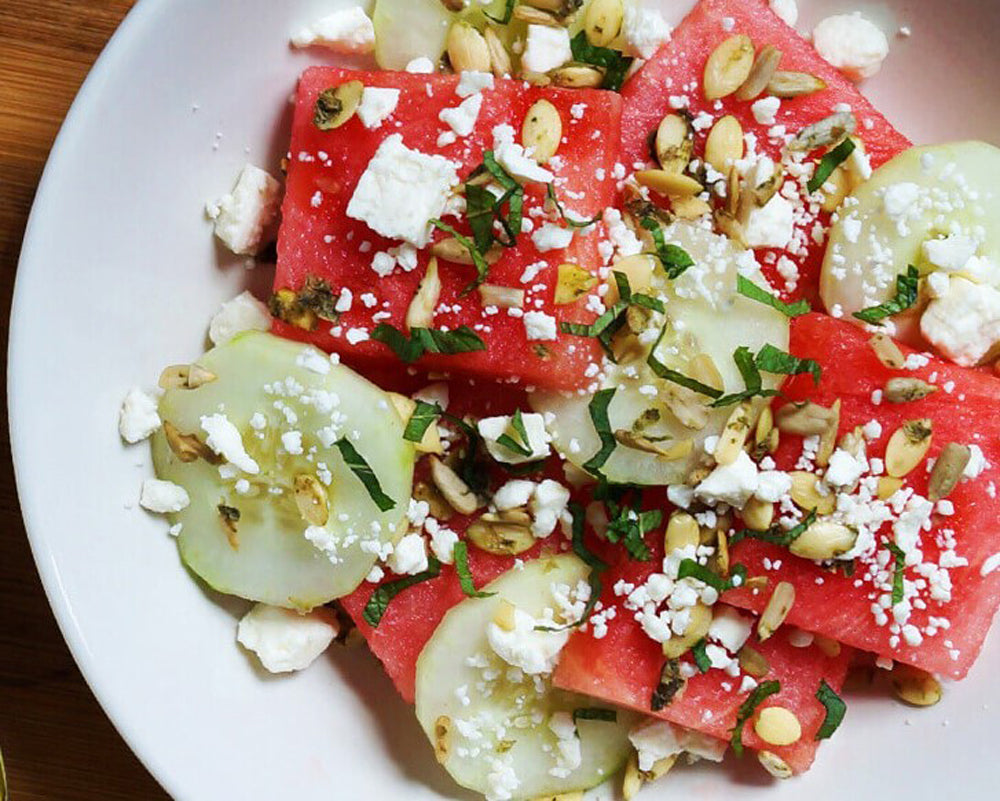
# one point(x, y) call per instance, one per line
point(408, 29)
point(489, 722)
point(953, 192)
point(268, 558)
point(706, 315)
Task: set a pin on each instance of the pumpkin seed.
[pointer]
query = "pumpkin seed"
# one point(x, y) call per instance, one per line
point(680, 449)
point(682, 532)
point(776, 725)
point(756, 583)
point(467, 50)
point(690, 208)
point(440, 508)
point(442, 738)
point(827, 132)
point(734, 435)
point(728, 67)
point(405, 407)
point(805, 419)
point(765, 424)
point(311, 500)
point(728, 225)
point(229, 517)
point(670, 184)
point(660, 769)
point(914, 686)
point(907, 447)
point(575, 77)
point(887, 351)
point(186, 376)
point(724, 144)
point(906, 390)
point(785, 84)
point(806, 495)
point(777, 609)
point(824, 540)
point(535, 16)
point(948, 469)
point(853, 441)
point(499, 57)
point(753, 662)
point(764, 67)
point(285, 305)
point(187, 447)
point(828, 439)
point(735, 197)
point(762, 193)
point(774, 765)
point(888, 486)
point(542, 130)
point(836, 187)
point(632, 780)
point(503, 297)
point(455, 491)
point(721, 557)
point(697, 628)
point(674, 143)
point(453, 251)
point(573, 282)
point(687, 406)
point(499, 537)
point(603, 21)
point(757, 514)
point(638, 269)
point(702, 368)
point(828, 646)
point(337, 105)
point(420, 313)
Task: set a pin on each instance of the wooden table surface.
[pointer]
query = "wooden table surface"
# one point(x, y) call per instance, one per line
point(57, 743)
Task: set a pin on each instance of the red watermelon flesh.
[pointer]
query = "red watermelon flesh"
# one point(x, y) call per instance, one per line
point(962, 411)
point(624, 668)
point(317, 238)
point(676, 72)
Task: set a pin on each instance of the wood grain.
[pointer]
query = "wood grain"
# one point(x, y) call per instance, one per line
point(56, 741)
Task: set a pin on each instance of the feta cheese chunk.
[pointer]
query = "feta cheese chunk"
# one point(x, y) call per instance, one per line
point(951, 253)
point(163, 497)
point(409, 557)
point(844, 469)
point(534, 652)
point(964, 324)
point(492, 428)
point(244, 218)
point(729, 628)
point(421, 66)
point(471, 82)
point(547, 506)
point(547, 49)
point(284, 640)
point(401, 190)
point(854, 45)
point(462, 119)
point(787, 11)
point(732, 484)
point(377, 105)
point(138, 417)
point(513, 494)
point(242, 313)
point(645, 31)
point(654, 740)
point(552, 237)
point(513, 158)
point(225, 440)
point(771, 226)
point(539, 326)
point(347, 31)
point(765, 109)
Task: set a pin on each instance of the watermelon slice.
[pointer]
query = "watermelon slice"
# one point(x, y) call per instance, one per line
point(319, 240)
point(673, 78)
point(962, 411)
point(623, 667)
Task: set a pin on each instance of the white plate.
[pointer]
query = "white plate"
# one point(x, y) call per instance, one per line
point(119, 275)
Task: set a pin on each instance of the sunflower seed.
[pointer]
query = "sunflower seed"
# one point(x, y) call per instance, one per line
point(311, 500)
point(603, 21)
point(670, 184)
point(674, 143)
point(806, 495)
point(467, 50)
point(499, 57)
point(577, 77)
point(948, 469)
point(499, 537)
point(805, 419)
point(753, 662)
point(914, 686)
point(734, 435)
point(757, 514)
point(455, 491)
point(906, 390)
point(337, 105)
point(786, 84)
point(682, 532)
point(774, 765)
point(887, 351)
point(420, 313)
point(573, 282)
point(824, 540)
point(828, 439)
point(453, 251)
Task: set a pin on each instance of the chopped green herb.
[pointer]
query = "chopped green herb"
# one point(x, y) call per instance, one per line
point(550, 194)
point(365, 474)
point(594, 713)
point(513, 198)
point(701, 660)
point(480, 209)
point(774, 360)
point(473, 468)
point(614, 63)
point(598, 410)
point(835, 710)
point(461, 555)
point(427, 340)
point(482, 268)
point(422, 418)
point(907, 288)
point(899, 569)
point(749, 289)
point(776, 535)
point(630, 526)
point(526, 469)
point(829, 163)
point(689, 568)
point(673, 376)
point(674, 258)
point(761, 692)
point(383, 595)
point(511, 444)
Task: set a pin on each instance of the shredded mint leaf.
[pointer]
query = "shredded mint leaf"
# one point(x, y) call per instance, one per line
point(604, 328)
point(835, 710)
point(774, 360)
point(513, 198)
point(422, 418)
point(482, 268)
point(480, 209)
point(365, 474)
point(829, 163)
point(511, 444)
point(689, 568)
point(630, 526)
point(906, 295)
point(427, 340)
point(473, 468)
point(598, 410)
point(675, 259)
point(761, 692)
point(776, 535)
point(900, 567)
point(461, 555)
point(749, 289)
point(673, 376)
point(383, 595)
point(614, 63)
point(594, 713)
point(550, 194)
point(701, 660)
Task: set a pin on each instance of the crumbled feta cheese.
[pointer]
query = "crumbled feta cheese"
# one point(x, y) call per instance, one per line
point(964, 324)
point(462, 118)
point(242, 313)
point(138, 417)
point(787, 10)
point(513, 494)
point(244, 218)
point(852, 44)
point(729, 628)
point(492, 428)
point(539, 326)
point(409, 556)
point(772, 226)
point(401, 190)
point(765, 109)
point(535, 652)
point(348, 30)
point(377, 104)
point(951, 253)
point(163, 497)
point(421, 66)
point(552, 237)
point(547, 49)
point(772, 485)
point(654, 740)
point(513, 158)
point(471, 82)
point(548, 503)
point(844, 469)
point(442, 542)
point(225, 440)
point(977, 463)
point(645, 31)
point(731, 484)
point(283, 639)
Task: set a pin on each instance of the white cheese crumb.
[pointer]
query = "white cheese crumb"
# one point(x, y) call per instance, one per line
point(163, 497)
point(535, 652)
point(964, 324)
point(471, 82)
point(462, 119)
point(377, 105)
point(284, 640)
point(348, 30)
point(539, 326)
point(242, 313)
point(409, 556)
point(787, 10)
point(492, 428)
point(420, 66)
point(766, 109)
point(547, 48)
point(225, 440)
point(852, 44)
point(244, 218)
point(138, 417)
point(645, 31)
point(552, 237)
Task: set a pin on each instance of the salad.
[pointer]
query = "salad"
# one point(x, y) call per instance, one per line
point(623, 388)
